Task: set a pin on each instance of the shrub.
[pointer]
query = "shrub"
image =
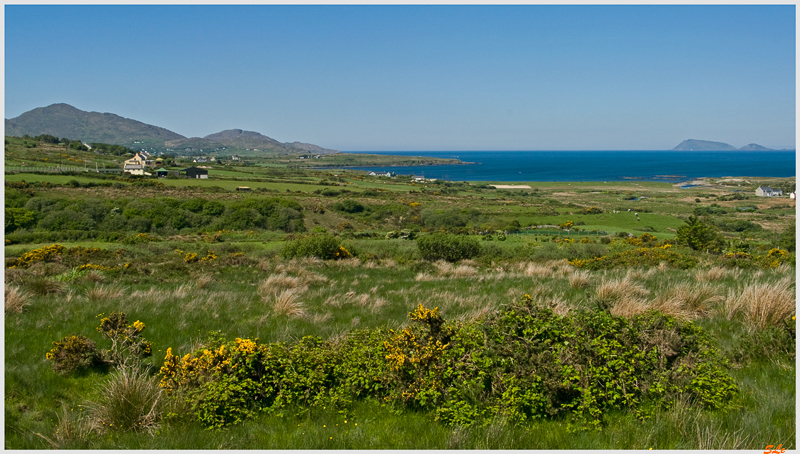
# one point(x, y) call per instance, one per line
point(452, 248)
point(127, 344)
point(325, 247)
point(348, 206)
point(73, 353)
point(522, 363)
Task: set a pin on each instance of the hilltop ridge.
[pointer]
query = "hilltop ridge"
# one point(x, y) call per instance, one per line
point(64, 120)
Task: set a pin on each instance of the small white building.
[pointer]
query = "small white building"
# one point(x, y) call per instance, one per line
point(766, 191)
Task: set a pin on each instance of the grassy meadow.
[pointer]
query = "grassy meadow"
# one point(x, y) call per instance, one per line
point(552, 317)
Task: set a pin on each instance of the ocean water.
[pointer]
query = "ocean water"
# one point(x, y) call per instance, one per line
point(664, 166)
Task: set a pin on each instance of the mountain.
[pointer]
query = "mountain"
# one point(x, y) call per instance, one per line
point(243, 142)
point(706, 145)
point(703, 145)
point(63, 120)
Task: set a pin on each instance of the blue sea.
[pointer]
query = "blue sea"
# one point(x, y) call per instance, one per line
point(664, 166)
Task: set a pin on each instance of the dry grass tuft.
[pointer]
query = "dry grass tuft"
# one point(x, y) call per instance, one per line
point(183, 291)
point(715, 273)
point(618, 289)
point(15, 275)
point(152, 295)
point(457, 271)
point(311, 278)
point(695, 300)
point(762, 303)
point(298, 265)
point(277, 283)
point(424, 277)
point(203, 280)
point(100, 292)
point(535, 269)
point(94, 276)
point(639, 274)
point(579, 279)
point(16, 300)
point(288, 303)
point(320, 318)
point(377, 304)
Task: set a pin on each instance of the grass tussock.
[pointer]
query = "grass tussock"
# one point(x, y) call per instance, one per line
point(152, 295)
point(277, 283)
point(183, 291)
point(288, 303)
point(44, 286)
point(73, 430)
point(203, 280)
point(131, 400)
point(16, 299)
point(762, 304)
point(94, 276)
point(687, 301)
point(618, 289)
point(639, 274)
point(715, 273)
point(579, 279)
point(99, 292)
point(532, 269)
point(297, 265)
point(455, 271)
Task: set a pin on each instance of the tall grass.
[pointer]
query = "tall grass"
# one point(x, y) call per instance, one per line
point(288, 303)
point(100, 292)
point(16, 299)
point(131, 400)
point(761, 304)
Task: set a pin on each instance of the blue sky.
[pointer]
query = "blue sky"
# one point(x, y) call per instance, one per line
point(413, 78)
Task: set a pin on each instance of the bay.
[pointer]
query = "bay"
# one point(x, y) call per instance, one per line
point(664, 166)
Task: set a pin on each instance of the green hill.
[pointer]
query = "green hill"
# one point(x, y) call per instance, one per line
point(63, 120)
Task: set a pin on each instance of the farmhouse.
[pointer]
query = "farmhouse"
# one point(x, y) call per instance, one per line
point(135, 165)
point(194, 172)
point(766, 191)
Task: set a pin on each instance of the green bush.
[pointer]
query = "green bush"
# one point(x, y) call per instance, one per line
point(348, 206)
point(444, 246)
point(325, 247)
point(522, 363)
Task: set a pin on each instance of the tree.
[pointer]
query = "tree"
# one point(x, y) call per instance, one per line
point(698, 235)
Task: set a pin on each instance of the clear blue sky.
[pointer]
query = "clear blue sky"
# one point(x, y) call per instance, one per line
point(419, 77)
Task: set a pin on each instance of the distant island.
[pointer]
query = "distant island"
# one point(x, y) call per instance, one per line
point(707, 145)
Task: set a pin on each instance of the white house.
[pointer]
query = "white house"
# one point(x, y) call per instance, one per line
point(766, 191)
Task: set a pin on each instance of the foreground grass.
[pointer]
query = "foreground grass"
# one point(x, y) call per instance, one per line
point(181, 302)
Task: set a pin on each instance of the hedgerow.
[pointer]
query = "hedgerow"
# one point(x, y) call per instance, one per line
point(523, 363)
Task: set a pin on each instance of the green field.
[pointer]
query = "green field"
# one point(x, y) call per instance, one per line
point(441, 315)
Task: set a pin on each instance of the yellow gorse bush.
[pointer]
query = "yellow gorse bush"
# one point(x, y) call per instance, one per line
point(41, 254)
